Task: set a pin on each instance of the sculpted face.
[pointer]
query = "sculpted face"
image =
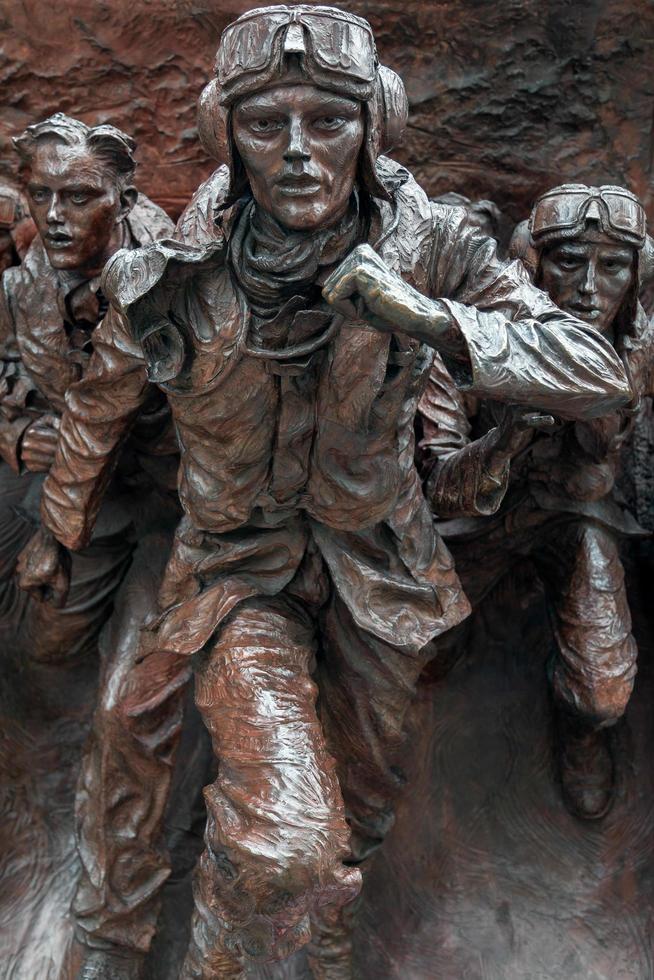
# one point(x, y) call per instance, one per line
point(589, 277)
point(76, 204)
point(300, 145)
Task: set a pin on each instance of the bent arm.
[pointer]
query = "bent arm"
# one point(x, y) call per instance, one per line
point(462, 478)
point(100, 410)
point(500, 337)
point(14, 385)
point(520, 347)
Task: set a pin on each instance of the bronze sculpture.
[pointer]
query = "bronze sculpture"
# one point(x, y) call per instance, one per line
point(16, 226)
point(484, 215)
point(513, 494)
point(305, 532)
point(78, 182)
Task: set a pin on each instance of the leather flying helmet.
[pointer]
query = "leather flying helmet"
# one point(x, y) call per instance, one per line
point(326, 47)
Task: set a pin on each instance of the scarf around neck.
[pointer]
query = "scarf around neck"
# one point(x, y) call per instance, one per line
point(273, 264)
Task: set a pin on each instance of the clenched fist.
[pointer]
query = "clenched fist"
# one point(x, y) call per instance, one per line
point(39, 443)
point(44, 569)
point(364, 288)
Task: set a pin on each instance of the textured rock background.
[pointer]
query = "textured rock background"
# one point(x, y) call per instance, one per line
point(485, 876)
point(507, 97)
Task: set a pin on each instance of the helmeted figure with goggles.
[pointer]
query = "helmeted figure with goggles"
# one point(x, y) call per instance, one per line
point(516, 493)
point(290, 324)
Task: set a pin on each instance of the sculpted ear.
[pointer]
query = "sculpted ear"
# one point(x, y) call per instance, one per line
point(128, 198)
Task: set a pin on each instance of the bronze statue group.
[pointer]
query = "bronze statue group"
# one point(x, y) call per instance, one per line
point(279, 452)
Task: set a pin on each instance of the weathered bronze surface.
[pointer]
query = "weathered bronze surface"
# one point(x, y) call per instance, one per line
point(310, 300)
point(509, 493)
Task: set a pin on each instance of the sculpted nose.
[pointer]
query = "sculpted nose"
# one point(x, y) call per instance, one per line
point(587, 285)
point(298, 146)
point(54, 215)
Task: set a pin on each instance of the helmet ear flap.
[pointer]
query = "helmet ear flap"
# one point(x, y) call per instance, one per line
point(211, 122)
point(393, 106)
point(646, 262)
point(520, 247)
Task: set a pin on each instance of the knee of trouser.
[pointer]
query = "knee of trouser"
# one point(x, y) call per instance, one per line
point(607, 701)
point(267, 889)
point(599, 701)
point(266, 909)
point(284, 885)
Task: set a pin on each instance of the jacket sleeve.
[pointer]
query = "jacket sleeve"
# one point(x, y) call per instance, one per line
point(100, 410)
point(647, 383)
point(456, 478)
point(521, 348)
point(199, 223)
point(15, 386)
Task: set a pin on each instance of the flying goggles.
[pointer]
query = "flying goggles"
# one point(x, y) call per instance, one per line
point(330, 44)
point(563, 212)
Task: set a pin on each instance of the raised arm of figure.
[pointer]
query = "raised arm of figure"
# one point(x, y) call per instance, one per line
point(500, 336)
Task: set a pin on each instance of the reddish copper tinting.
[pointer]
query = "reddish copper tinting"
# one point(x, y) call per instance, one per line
point(307, 551)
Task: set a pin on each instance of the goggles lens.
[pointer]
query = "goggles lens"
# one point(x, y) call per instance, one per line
point(626, 214)
point(342, 46)
point(247, 46)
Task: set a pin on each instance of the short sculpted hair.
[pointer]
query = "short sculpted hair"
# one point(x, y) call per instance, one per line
point(108, 143)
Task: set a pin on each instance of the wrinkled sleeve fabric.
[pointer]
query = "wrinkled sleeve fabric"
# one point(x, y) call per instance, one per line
point(100, 410)
point(14, 385)
point(456, 479)
point(521, 348)
point(647, 385)
point(198, 224)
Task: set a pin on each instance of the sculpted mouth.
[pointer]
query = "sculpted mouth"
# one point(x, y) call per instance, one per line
point(584, 312)
point(58, 239)
point(298, 185)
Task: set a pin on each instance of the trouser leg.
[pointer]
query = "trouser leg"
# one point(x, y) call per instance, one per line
point(594, 668)
point(37, 632)
point(15, 532)
point(47, 635)
point(276, 834)
point(593, 674)
point(366, 687)
point(126, 771)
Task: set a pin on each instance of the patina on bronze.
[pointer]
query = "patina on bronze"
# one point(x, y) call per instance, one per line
point(512, 493)
point(17, 228)
point(292, 326)
point(78, 185)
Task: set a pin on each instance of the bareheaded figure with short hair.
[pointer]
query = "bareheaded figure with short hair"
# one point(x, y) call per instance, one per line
point(549, 496)
point(292, 327)
point(79, 184)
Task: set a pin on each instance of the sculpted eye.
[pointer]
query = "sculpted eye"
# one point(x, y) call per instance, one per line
point(614, 265)
point(266, 125)
point(329, 122)
point(79, 198)
point(568, 262)
point(39, 196)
